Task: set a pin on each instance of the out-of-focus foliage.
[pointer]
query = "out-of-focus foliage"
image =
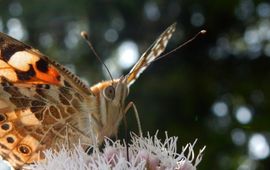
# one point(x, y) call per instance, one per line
point(215, 89)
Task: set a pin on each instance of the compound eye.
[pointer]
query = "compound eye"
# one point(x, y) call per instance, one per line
point(109, 93)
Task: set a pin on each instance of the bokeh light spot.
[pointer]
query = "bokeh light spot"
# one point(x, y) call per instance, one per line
point(118, 23)
point(124, 57)
point(15, 8)
point(111, 35)
point(45, 40)
point(258, 147)
point(71, 39)
point(238, 137)
point(220, 109)
point(128, 54)
point(247, 164)
point(151, 11)
point(15, 28)
point(243, 115)
point(197, 19)
point(263, 9)
point(251, 36)
point(245, 9)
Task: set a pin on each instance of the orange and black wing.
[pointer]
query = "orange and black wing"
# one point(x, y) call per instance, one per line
point(37, 98)
point(20, 63)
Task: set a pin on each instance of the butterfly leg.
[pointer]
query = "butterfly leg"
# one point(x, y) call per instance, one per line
point(129, 105)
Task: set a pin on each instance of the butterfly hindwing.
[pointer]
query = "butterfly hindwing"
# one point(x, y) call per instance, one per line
point(33, 117)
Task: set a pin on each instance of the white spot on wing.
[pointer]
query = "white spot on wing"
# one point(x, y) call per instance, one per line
point(21, 60)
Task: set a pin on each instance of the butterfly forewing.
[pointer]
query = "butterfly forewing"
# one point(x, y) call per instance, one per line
point(35, 117)
point(151, 54)
point(20, 63)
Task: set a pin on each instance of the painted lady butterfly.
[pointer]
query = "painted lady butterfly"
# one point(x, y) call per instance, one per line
point(42, 103)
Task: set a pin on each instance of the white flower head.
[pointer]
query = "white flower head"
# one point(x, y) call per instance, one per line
point(142, 153)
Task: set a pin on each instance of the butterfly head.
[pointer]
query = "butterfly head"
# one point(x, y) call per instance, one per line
point(111, 97)
point(116, 91)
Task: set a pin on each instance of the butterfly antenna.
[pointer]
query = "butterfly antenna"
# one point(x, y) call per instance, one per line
point(182, 45)
point(85, 36)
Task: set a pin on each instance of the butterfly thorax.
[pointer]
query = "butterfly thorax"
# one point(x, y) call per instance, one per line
point(110, 101)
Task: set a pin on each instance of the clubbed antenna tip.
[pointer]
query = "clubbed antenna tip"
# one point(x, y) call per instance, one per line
point(84, 35)
point(203, 31)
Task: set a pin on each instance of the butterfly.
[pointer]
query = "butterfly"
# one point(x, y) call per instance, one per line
point(42, 102)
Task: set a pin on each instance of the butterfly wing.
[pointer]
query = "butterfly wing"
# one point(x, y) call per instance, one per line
point(20, 63)
point(37, 99)
point(151, 54)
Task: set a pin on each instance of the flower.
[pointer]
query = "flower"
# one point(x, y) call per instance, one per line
point(142, 153)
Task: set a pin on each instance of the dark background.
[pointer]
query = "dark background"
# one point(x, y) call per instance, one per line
point(215, 89)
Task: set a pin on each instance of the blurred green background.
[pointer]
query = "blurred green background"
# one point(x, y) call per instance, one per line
point(215, 89)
